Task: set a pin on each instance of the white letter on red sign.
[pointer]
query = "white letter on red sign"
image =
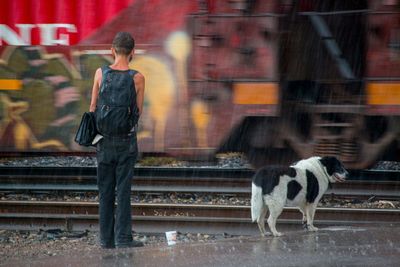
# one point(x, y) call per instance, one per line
point(25, 32)
point(48, 33)
point(12, 38)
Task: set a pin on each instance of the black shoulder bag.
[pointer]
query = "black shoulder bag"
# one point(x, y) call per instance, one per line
point(87, 129)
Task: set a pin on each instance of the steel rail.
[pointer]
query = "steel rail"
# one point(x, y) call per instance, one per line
point(348, 192)
point(199, 184)
point(194, 210)
point(188, 172)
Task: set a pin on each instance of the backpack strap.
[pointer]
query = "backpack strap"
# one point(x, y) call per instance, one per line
point(105, 69)
point(133, 72)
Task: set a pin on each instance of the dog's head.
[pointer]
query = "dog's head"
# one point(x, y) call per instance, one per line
point(334, 168)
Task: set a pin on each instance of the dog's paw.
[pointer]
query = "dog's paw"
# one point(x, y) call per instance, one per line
point(277, 234)
point(312, 228)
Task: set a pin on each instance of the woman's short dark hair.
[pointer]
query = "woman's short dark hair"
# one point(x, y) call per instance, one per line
point(123, 43)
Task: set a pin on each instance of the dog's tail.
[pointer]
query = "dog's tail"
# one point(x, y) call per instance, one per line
point(257, 202)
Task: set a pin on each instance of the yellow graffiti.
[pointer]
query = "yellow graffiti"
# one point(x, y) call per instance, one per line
point(159, 94)
point(201, 118)
point(22, 134)
point(178, 45)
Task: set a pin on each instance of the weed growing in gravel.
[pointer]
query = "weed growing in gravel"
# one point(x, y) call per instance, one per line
point(160, 161)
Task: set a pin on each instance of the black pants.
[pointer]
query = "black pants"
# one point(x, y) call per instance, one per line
point(115, 161)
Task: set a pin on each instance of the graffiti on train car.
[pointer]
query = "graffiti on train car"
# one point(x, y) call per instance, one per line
point(42, 94)
point(39, 99)
point(44, 89)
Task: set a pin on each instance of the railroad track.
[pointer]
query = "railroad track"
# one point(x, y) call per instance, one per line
point(233, 219)
point(361, 184)
point(155, 218)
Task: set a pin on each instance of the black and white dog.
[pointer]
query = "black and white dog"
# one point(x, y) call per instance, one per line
point(301, 185)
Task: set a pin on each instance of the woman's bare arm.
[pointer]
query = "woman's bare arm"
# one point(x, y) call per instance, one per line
point(95, 90)
point(139, 85)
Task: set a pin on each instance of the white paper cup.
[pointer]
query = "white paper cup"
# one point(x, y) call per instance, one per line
point(171, 237)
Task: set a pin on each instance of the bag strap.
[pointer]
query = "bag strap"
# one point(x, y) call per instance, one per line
point(105, 69)
point(133, 72)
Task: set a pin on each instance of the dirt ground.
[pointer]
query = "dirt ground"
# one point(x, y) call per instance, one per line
point(19, 245)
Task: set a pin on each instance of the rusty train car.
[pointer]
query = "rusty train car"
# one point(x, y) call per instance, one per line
point(278, 80)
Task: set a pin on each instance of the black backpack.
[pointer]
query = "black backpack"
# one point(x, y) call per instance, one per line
point(116, 110)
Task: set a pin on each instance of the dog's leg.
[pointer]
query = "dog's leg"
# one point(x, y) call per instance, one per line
point(275, 209)
point(261, 221)
point(303, 210)
point(310, 209)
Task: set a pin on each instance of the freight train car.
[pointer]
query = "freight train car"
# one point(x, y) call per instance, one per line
point(277, 80)
point(338, 75)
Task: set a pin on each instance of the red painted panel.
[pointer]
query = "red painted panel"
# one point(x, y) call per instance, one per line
point(240, 6)
point(383, 55)
point(149, 21)
point(234, 47)
point(82, 18)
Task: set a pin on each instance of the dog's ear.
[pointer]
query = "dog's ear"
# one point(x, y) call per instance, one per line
point(330, 163)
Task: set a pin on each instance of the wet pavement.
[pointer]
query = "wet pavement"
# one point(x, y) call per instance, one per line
point(331, 246)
